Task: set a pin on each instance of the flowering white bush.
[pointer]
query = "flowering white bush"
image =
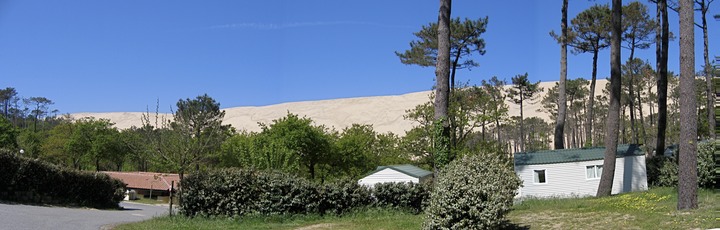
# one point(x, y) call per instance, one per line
point(473, 192)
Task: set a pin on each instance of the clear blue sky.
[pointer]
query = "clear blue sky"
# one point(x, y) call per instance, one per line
point(111, 56)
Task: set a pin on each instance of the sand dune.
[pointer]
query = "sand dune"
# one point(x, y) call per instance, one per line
point(385, 113)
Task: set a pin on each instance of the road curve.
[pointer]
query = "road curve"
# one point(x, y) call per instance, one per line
point(21, 217)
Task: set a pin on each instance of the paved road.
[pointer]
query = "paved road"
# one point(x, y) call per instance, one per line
point(20, 217)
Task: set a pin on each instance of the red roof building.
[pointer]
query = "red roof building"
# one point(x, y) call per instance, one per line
point(144, 182)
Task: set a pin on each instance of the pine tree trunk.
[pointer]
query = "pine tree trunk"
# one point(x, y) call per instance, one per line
point(623, 126)
point(442, 75)
point(662, 80)
point(631, 105)
point(591, 100)
point(522, 127)
point(562, 99)
point(687, 162)
point(611, 135)
point(642, 119)
point(652, 108)
point(708, 73)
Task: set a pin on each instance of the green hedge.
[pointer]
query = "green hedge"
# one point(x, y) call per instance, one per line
point(34, 181)
point(239, 192)
point(410, 196)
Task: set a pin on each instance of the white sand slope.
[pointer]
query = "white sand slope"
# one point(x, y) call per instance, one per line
point(385, 113)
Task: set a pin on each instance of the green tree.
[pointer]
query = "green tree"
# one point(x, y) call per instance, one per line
point(55, 146)
point(612, 123)
point(5, 97)
point(638, 27)
point(633, 72)
point(577, 94)
point(522, 92)
point(200, 121)
point(687, 162)
point(498, 110)
point(472, 108)
point(355, 150)
point(8, 135)
point(589, 34)
point(298, 137)
point(97, 141)
point(465, 41)
point(191, 138)
point(40, 105)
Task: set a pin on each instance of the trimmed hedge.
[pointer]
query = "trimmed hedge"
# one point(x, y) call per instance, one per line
point(410, 196)
point(34, 181)
point(239, 192)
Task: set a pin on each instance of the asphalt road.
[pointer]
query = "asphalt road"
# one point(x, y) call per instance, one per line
point(20, 217)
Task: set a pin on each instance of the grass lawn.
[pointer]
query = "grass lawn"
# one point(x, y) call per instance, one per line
point(654, 209)
point(368, 219)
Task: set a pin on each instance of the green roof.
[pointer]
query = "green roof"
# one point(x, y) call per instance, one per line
point(573, 155)
point(410, 170)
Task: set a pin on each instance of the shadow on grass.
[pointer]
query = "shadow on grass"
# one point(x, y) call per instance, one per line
point(507, 225)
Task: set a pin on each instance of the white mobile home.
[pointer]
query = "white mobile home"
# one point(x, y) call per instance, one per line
point(396, 173)
point(576, 172)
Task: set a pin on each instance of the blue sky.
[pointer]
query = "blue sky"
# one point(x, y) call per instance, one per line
point(118, 56)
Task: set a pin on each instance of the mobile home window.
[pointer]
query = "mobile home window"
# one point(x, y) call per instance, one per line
point(540, 176)
point(593, 171)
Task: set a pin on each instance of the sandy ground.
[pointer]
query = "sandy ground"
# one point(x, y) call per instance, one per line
point(385, 113)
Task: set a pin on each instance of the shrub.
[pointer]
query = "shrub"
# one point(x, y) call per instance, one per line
point(340, 197)
point(226, 192)
point(241, 192)
point(410, 196)
point(663, 171)
point(28, 180)
point(473, 192)
point(238, 192)
point(285, 194)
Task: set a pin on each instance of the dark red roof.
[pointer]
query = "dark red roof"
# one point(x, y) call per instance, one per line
point(146, 180)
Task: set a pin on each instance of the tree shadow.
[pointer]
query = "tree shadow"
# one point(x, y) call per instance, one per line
point(507, 225)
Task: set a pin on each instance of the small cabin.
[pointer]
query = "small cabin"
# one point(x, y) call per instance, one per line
point(396, 173)
point(576, 172)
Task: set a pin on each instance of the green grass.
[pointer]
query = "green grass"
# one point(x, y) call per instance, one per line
point(654, 209)
point(367, 219)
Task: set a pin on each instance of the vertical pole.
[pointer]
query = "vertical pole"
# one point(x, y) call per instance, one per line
point(172, 187)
